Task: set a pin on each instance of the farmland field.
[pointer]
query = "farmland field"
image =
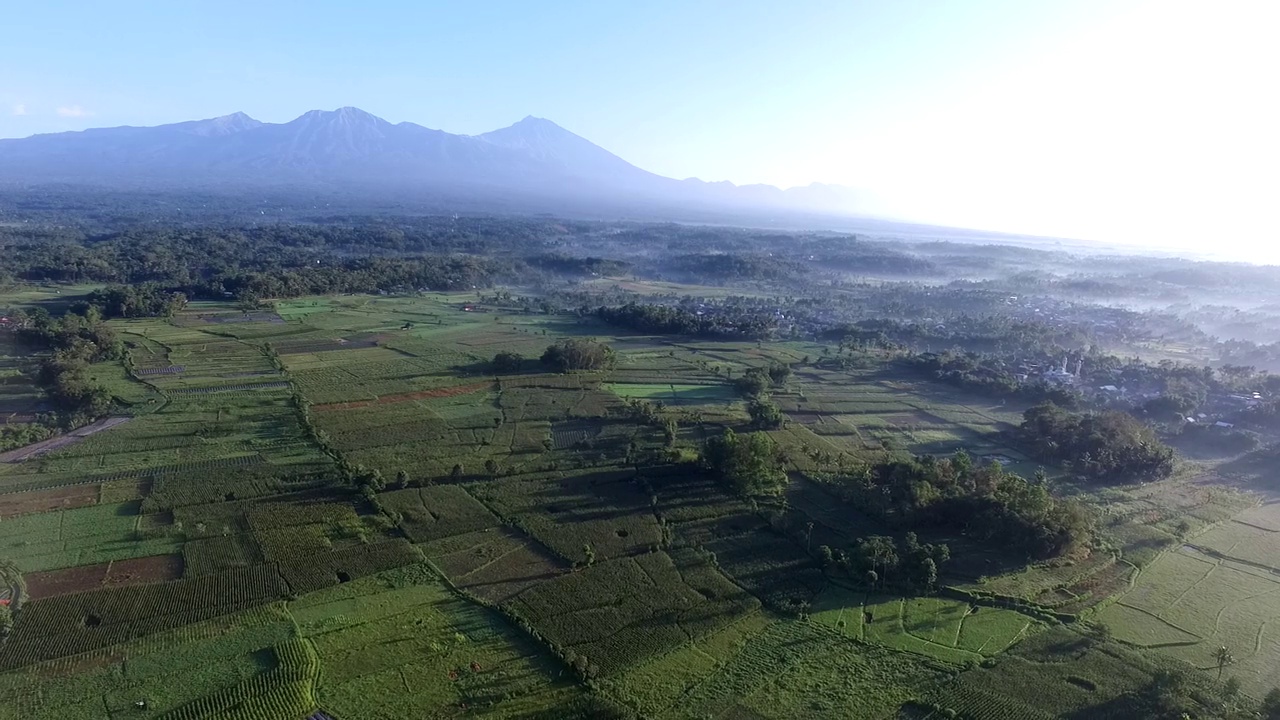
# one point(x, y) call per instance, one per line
point(340, 505)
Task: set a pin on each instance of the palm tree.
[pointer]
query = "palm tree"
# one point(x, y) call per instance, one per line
point(1224, 658)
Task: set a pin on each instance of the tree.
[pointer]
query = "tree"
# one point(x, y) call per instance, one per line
point(753, 383)
point(370, 479)
point(6, 621)
point(779, 373)
point(589, 553)
point(669, 432)
point(1224, 658)
point(750, 464)
point(765, 414)
point(491, 467)
point(402, 479)
point(578, 354)
point(1271, 705)
point(456, 472)
point(508, 363)
point(1098, 633)
point(879, 553)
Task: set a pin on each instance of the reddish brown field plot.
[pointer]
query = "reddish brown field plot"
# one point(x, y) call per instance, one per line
point(36, 501)
point(156, 568)
point(53, 583)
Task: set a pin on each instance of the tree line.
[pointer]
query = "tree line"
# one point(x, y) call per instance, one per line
point(666, 320)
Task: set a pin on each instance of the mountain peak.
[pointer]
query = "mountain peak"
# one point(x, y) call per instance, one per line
point(224, 125)
point(347, 115)
point(533, 121)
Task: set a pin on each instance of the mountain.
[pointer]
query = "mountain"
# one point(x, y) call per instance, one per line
point(534, 159)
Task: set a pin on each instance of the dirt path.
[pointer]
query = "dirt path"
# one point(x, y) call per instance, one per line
point(61, 441)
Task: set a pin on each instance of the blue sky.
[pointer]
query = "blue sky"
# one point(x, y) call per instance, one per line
point(1149, 121)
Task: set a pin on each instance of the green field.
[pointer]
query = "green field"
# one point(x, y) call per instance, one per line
point(336, 505)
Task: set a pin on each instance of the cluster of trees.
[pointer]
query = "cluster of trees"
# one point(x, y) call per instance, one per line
point(717, 268)
point(668, 320)
point(17, 435)
point(879, 561)
point(653, 415)
point(508, 363)
point(578, 354)
point(578, 266)
point(755, 384)
point(756, 381)
point(749, 464)
point(895, 323)
point(133, 301)
point(271, 261)
point(1112, 447)
point(72, 343)
point(989, 376)
point(765, 414)
point(986, 503)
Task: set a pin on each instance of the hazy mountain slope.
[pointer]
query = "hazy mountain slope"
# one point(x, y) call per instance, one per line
point(348, 147)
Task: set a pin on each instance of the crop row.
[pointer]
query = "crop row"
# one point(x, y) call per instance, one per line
point(624, 611)
point(72, 624)
point(231, 388)
point(292, 542)
point(212, 555)
point(169, 370)
point(426, 431)
point(761, 660)
point(438, 511)
point(981, 704)
point(285, 691)
point(271, 517)
point(215, 485)
point(239, 461)
point(320, 570)
point(299, 347)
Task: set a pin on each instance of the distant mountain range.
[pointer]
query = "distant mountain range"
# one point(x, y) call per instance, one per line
point(349, 148)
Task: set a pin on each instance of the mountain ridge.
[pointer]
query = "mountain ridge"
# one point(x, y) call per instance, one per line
point(349, 146)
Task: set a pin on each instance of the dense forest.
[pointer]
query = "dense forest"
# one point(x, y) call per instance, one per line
point(1110, 447)
point(984, 502)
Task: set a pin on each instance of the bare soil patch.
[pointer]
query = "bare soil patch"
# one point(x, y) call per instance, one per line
point(156, 568)
point(37, 501)
point(52, 583)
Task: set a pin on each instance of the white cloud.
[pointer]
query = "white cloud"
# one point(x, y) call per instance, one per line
point(19, 109)
point(73, 111)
